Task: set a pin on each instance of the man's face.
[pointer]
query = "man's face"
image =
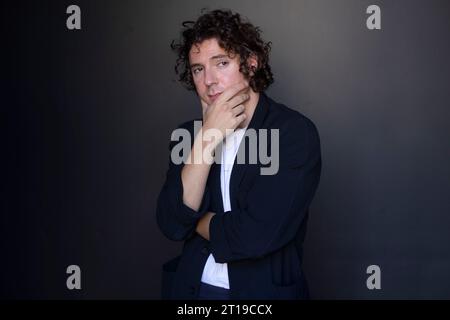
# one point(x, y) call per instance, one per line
point(213, 70)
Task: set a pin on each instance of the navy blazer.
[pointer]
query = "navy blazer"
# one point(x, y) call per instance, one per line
point(261, 237)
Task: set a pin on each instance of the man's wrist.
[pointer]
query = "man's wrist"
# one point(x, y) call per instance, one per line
point(204, 148)
point(203, 225)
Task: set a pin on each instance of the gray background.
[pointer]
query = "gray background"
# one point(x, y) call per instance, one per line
point(89, 115)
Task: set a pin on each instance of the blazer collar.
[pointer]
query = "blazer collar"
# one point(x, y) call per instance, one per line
point(260, 112)
point(255, 123)
point(238, 170)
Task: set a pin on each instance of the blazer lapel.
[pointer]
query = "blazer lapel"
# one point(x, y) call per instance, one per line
point(238, 170)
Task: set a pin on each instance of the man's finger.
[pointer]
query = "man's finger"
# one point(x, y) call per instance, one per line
point(232, 91)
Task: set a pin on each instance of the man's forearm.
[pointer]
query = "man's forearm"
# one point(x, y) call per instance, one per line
point(195, 175)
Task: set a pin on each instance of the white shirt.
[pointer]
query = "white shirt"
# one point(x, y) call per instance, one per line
point(214, 273)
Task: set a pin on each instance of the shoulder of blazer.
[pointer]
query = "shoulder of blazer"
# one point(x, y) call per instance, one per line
point(291, 121)
point(187, 125)
point(299, 137)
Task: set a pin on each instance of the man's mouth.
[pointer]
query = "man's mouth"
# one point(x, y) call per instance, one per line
point(214, 96)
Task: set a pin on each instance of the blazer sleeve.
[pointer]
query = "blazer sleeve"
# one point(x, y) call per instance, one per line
point(176, 220)
point(275, 205)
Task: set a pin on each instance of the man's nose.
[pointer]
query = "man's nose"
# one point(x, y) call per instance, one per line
point(210, 77)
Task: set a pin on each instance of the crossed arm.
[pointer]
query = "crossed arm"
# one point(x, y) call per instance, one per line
point(203, 225)
point(194, 178)
point(259, 224)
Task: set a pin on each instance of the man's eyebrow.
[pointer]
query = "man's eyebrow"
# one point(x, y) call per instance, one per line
point(219, 56)
point(195, 65)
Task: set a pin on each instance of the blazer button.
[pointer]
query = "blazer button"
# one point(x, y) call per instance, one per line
point(205, 250)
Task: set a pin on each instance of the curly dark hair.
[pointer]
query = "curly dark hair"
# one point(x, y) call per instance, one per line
point(234, 35)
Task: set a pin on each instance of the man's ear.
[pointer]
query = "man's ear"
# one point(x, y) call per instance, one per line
point(252, 63)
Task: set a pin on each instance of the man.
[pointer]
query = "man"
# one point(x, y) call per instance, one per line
point(242, 230)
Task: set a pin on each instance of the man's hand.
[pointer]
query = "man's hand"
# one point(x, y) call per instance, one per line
point(203, 225)
point(227, 111)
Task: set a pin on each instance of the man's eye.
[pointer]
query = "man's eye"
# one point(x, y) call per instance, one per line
point(223, 63)
point(197, 70)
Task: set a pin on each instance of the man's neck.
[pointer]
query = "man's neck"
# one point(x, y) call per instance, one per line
point(250, 107)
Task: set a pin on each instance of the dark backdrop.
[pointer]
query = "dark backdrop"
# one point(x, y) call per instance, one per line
point(89, 115)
